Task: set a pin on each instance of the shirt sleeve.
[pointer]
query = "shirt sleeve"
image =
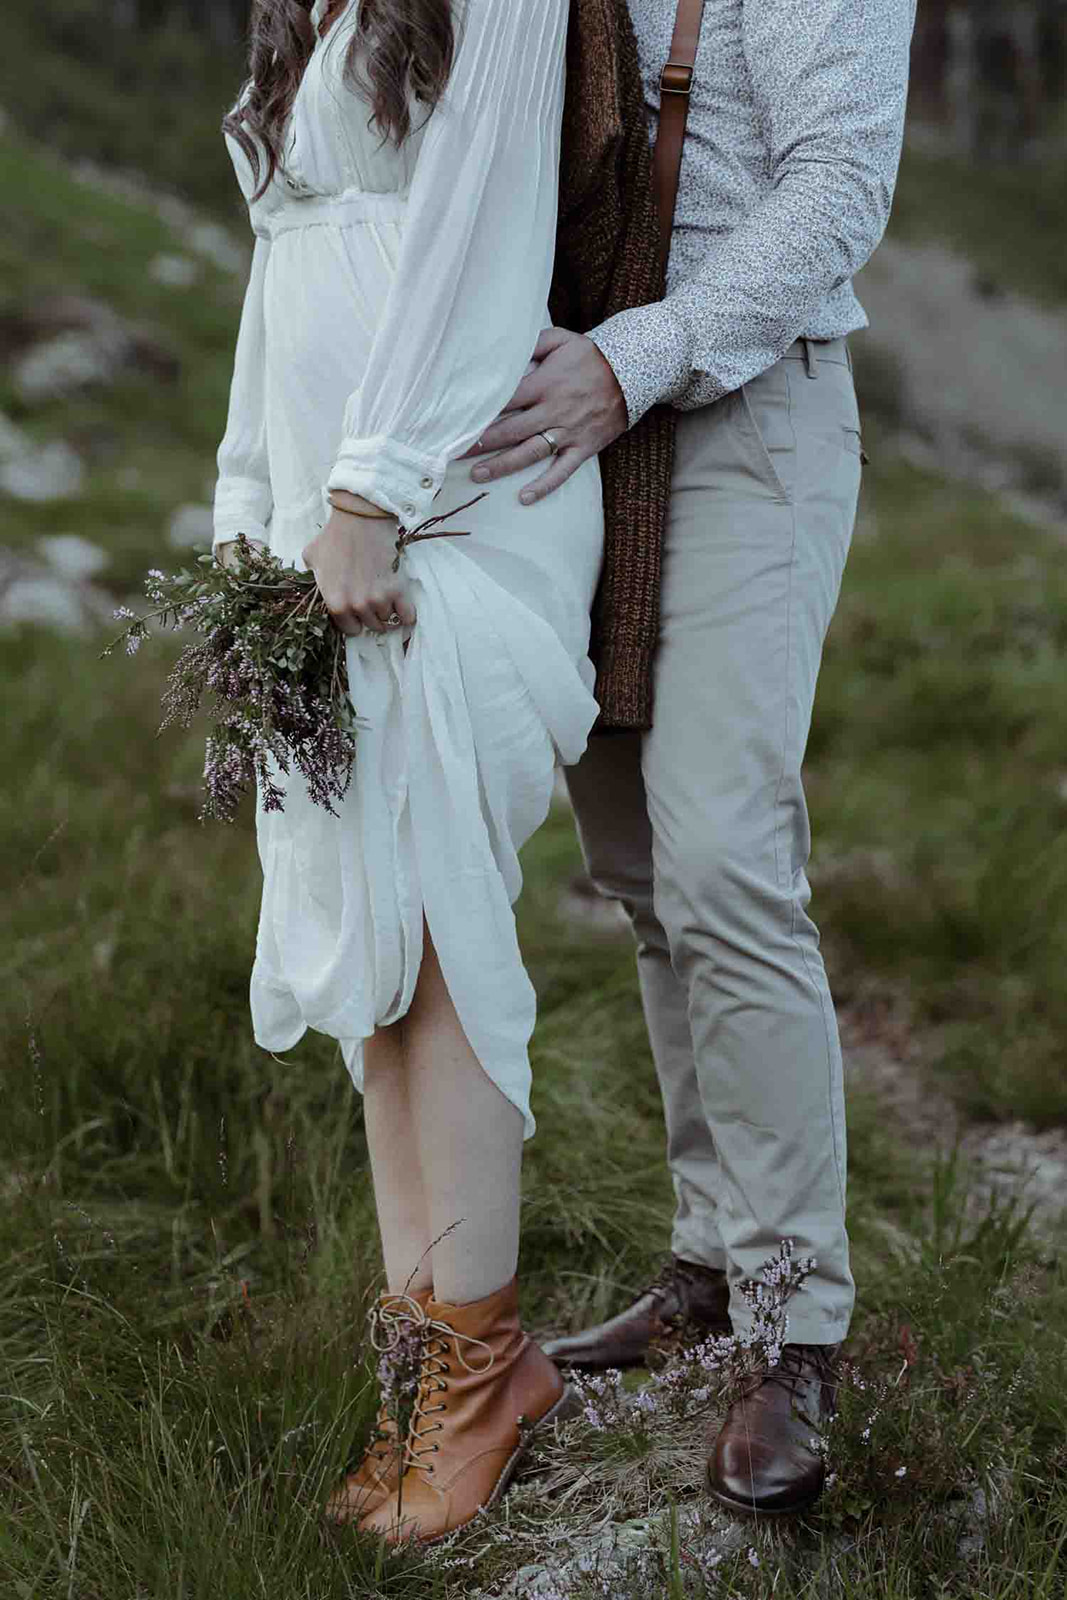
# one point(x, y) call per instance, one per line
point(829, 82)
point(243, 499)
point(470, 292)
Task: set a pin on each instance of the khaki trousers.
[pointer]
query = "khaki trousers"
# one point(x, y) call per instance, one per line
point(700, 828)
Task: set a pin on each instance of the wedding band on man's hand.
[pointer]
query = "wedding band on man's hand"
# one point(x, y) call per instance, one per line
point(392, 620)
point(550, 439)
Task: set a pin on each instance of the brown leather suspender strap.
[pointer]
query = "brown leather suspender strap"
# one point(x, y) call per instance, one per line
point(674, 85)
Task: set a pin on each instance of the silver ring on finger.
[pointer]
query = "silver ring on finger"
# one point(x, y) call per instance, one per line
point(393, 620)
point(550, 439)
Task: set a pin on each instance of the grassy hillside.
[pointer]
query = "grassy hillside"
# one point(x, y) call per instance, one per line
point(146, 103)
point(148, 441)
point(186, 1239)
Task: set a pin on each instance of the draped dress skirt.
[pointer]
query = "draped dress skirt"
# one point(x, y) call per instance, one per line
point(465, 715)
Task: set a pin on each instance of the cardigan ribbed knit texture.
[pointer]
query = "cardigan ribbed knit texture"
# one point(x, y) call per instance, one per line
point(607, 260)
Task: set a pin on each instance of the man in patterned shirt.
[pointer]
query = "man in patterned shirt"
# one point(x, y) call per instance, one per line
point(700, 826)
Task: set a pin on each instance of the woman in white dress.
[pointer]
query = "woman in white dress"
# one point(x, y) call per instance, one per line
point(400, 160)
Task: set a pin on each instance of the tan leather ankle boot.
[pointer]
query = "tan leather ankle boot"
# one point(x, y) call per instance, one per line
point(376, 1476)
point(484, 1386)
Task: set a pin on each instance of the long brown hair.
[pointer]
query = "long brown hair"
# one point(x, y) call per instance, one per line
point(398, 48)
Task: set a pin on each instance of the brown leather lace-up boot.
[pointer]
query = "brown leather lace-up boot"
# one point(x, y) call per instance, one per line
point(483, 1387)
point(376, 1476)
point(684, 1302)
point(764, 1460)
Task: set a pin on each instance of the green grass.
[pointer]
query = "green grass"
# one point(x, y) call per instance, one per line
point(187, 1236)
point(939, 787)
point(149, 103)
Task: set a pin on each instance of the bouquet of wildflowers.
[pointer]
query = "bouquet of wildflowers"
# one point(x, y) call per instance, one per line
point(272, 657)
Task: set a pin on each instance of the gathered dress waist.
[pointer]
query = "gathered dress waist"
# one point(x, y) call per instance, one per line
point(297, 209)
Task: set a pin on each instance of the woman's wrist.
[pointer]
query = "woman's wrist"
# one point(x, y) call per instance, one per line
point(355, 505)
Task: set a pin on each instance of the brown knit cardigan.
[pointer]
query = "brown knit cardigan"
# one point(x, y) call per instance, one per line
point(607, 260)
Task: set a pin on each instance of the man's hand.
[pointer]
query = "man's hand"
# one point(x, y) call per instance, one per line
point(573, 392)
point(352, 559)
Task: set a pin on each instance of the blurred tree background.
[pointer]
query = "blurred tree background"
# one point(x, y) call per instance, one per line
point(140, 83)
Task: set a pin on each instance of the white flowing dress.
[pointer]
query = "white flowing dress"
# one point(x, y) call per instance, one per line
point(392, 306)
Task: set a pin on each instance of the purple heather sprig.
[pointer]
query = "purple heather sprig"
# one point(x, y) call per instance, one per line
point(704, 1370)
point(274, 662)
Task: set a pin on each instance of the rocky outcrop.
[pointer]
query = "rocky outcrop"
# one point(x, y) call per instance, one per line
point(65, 343)
point(33, 471)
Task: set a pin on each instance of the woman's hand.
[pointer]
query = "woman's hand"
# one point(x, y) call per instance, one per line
point(226, 554)
point(352, 559)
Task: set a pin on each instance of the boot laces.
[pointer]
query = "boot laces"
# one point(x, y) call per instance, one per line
point(436, 1339)
point(669, 1281)
point(795, 1366)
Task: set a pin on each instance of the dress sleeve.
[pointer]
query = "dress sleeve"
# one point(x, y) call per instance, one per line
point(243, 500)
point(470, 292)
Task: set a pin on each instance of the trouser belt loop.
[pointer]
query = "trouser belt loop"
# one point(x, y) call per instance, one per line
point(810, 364)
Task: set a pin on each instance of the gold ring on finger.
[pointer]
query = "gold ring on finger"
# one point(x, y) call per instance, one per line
point(550, 439)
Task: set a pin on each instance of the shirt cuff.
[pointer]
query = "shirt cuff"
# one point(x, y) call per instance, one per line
point(649, 351)
point(242, 505)
point(398, 479)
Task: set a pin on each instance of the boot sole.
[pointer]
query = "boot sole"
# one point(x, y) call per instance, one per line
point(595, 1364)
point(746, 1508)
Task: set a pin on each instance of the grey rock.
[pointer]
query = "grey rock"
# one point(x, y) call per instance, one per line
point(47, 472)
point(37, 592)
point(173, 272)
point(219, 247)
point(72, 556)
point(66, 343)
point(980, 379)
point(611, 1554)
point(14, 442)
point(44, 600)
point(66, 363)
point(191, 525)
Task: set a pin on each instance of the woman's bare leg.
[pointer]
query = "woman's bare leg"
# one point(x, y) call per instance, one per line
point(398, 1187)
point(469, 1138)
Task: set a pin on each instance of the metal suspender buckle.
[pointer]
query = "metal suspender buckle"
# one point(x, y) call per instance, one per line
point(675, 78)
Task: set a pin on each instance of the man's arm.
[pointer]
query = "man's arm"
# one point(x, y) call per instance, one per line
point(829, 81)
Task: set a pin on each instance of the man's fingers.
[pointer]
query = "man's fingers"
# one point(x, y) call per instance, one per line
point(515, 428)
point(526, 454)
point(563, 465)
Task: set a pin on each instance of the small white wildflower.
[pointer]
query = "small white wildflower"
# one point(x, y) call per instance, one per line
point(900, 1472)
point(753, 1558)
